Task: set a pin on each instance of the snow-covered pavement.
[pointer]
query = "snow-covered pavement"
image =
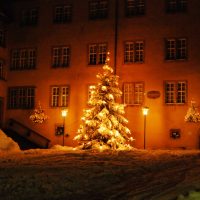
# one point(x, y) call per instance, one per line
point(64, 174)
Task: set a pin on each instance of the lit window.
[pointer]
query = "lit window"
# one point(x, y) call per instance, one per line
point(29, 17)
point(134, 52)
point(176, 49)
point(21, 97)
point(2, 38)
point(61, 56)
point(2, 71)
point(135, 7)
point(62, 14)
point(175, 92)
point(98, 9)
point(22, 59)
point(174, 6)
point(133, 93)
point(59, 96)
point(97, 54)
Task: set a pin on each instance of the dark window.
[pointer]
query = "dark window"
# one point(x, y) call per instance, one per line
point(175, 92)
point(97, 53)
point(29, 17)
point(134, 52)
point(61, 56)
point(174, 6)
point(2, 69)
point(98, 9)
point(2, 38)
point(63, 14)
point(59, 96)
point(134, 7)
point(23, 59)
point(176, 49)
point(21, 97)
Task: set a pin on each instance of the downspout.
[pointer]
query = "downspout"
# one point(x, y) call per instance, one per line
point(115, 36)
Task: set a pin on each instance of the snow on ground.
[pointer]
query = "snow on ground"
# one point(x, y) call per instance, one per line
point(64, 174)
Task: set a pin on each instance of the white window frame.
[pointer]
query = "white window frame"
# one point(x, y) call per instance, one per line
point(97, 53)
point(176, 49)
point(134, 51)
point(60, 96)
point(133, 93)
point(60, 56)
point(23, 59)
point(135, 7)
point(175, 92)
point(21, 97)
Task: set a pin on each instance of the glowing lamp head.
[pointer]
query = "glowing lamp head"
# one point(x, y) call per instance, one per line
point(145, 110)
point(64, 112)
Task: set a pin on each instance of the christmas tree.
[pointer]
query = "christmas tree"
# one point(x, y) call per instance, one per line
point(192, 113)
point(103, 124)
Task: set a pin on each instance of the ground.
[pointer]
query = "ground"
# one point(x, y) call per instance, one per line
point(65, 174)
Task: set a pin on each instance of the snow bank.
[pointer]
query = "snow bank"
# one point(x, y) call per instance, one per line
point(7, 144)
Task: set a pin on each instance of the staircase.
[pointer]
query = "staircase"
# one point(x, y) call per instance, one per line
point(24, 136)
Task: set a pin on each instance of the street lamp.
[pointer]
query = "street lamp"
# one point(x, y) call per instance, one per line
point(145, 113)
point(64, 113)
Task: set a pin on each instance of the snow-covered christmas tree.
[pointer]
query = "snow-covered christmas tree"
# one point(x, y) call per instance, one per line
point(192, 113)
point(103, 124)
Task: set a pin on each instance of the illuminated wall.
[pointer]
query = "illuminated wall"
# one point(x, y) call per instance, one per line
point(152, 28)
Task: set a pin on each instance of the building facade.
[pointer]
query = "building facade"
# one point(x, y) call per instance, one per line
point(55, 48)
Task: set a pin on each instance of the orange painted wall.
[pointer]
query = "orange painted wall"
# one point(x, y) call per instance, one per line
point(154, 71)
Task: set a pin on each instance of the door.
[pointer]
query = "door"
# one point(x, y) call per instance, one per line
point(1, 112)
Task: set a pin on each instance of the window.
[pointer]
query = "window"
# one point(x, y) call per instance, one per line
point(175, 92)
point(2, 72)
point(97, 54)
point(61, 56)
point(62, 14)
point(22, 59)
point(176, 49)
point(98, 9)
point(133, 93)
point(21, 97)
point(59, 96)
point(134, 52)
point(2, 38)
point(135, 7)
point(174, 6)
point(29, 17)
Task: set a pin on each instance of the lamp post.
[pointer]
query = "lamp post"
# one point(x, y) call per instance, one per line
point(145, 113)
point(64, 115)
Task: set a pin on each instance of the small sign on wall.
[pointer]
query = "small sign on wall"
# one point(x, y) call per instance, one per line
point(153, 94)
point(59, 129)
point(175, 133)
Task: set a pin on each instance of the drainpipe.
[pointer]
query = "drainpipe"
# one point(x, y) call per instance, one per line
point(116, 36)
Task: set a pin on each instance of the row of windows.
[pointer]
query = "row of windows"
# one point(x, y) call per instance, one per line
point(133, 94)
point(176, 49)
point(98, 9)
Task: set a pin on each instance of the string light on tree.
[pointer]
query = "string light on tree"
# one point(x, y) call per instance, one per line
point(103, 124)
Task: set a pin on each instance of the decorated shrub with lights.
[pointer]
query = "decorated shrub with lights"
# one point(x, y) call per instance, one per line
point(103, 124)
